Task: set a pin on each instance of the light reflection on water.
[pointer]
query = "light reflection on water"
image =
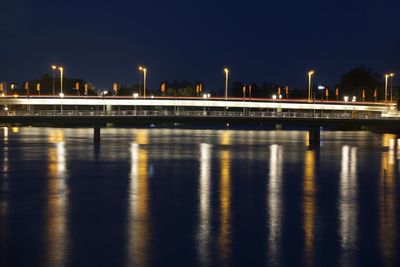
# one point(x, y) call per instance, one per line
point(56, 228)
point(224, 235)
point(274, 202)
point(204, 227)
point(388, 191)
point(4, 188)
point(138, 222)
point(48, 164)
point(309, 206)
point(348, 203)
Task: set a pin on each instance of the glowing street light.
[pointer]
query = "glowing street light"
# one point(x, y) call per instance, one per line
point(274, 97)
point(144, 79)
point(310, 74)
point(226, 70)
point(61, 69)
point(53, 68)
point(386, 81)
point(346, 99)
point(391, 86)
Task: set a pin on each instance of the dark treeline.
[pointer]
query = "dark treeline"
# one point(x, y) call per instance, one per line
point(359, 82)
point(44, 86)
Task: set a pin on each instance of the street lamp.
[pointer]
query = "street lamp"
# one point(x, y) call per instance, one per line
point(61, 106)
point(386, 86)
point(346, 99)
point(391, 87)
point(205, 96)
point(104, 102)
point(226, 70)
point(144, 79)
point(321, 88)
point(61, 69)
point(53, 68)
point(310, 74)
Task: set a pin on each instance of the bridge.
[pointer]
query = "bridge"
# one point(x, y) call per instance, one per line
point(100, 111)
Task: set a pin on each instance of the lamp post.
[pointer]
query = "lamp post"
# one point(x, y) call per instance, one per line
point(346, 99)
point(226, 70)
point(244, 99)
point(61, 69)
point(321, 88)
point(61, 106)
point(386, 86)
point(391, 87)
point(104, 102)
point(144, 80)
point(310, 74)
point(53, 68)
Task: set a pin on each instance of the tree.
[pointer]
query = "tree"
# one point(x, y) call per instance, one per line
point(358, 79)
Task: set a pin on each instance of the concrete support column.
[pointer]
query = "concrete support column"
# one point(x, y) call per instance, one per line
point(314, 135)
point(96, 134)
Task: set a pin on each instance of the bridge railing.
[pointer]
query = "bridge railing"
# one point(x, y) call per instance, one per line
point(233, 114)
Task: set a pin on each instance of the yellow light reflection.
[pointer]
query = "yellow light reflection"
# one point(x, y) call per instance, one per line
point(204, 228)
point(274, 201)
point(348, 203)
point(57, 206)
point(142, 136)
point(138, 226)
point(224, 235)
point(225, 138)
point(56, 136)
point(309, 206)
point(387, 140)
point(388, 203)
point(15, 129)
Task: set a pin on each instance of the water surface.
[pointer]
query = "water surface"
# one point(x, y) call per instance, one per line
point(171, 197)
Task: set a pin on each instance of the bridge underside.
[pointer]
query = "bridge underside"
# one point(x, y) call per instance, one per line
point(221, 121)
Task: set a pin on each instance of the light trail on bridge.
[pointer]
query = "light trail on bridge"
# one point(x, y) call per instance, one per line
point(113, 101)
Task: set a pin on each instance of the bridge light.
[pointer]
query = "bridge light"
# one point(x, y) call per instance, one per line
point(346, 99)
point(354, 99)
point(273, 97)
point(62, 95)
point(135, 95)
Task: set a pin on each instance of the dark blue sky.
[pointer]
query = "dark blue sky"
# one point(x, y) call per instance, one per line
point(276, 41)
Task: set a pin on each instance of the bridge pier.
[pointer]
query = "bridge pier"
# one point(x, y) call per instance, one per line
point(96, 134)
point(314, 135)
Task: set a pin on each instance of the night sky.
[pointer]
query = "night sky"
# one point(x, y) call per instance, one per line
point(274, 41)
